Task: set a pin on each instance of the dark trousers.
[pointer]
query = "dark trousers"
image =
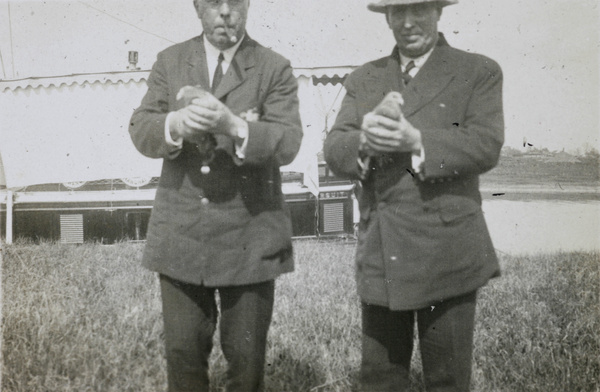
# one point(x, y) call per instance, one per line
point(190, 319)
point(445, 340)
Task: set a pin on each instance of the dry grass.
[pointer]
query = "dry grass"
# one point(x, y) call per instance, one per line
point(87, 318)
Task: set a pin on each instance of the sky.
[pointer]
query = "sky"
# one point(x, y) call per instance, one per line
point(548, 49)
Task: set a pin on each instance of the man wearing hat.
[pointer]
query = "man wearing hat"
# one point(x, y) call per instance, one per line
point(417, 128)
point(222, 112)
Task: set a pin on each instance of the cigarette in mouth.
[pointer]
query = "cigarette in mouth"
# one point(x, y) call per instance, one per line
point(230, 34)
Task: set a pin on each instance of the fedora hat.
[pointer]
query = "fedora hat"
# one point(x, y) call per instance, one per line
point(382, 4)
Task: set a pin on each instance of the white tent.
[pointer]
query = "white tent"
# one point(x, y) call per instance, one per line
point(74, 128)
point(71, 129)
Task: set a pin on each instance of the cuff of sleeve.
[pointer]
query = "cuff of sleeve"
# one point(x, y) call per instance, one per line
point(242, 134)
point(363, 161)
point(364, 164)
point(174, 144)
point(418, 162)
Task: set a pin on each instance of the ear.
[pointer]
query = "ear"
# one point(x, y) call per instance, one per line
point(387, 17)
point(198, 7)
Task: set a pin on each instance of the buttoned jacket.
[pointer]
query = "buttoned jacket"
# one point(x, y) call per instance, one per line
point(422, 236)
point(229, 226)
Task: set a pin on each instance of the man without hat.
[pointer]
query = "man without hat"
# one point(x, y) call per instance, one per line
point(417, 128)
point(222, 112)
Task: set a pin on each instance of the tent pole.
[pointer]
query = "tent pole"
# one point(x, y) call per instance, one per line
point(9, 217)
point(1, 300)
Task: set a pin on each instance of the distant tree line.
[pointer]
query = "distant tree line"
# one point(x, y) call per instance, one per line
point(590, 156)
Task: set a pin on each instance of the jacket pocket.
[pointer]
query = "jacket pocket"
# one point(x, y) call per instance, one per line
point(454, 208)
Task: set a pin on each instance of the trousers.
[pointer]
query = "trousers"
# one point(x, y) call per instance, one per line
point(445, 332)
point(190, 314)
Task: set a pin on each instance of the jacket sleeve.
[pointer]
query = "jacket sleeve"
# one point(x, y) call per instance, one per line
point(342, 142)
point(278, 133)
point(471, 144)
point(147, 125)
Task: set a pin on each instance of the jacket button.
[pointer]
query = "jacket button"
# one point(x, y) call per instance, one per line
point(205, 169)
point(204, 201)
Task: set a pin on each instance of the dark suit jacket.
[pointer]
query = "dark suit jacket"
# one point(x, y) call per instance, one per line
point(424, 239)
point(243, 234)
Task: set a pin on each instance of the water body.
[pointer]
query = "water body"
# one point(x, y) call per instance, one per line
point(543, 225)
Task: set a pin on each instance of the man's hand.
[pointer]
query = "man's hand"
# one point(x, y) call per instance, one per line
point(202, 114)
point(383, 135)
point(385, 130)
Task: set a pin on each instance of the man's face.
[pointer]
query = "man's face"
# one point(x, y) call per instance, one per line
point(222, 19)
point(414, 27)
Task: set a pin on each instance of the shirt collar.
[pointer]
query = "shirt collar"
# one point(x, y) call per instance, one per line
point(212, 53)
point(419, 61)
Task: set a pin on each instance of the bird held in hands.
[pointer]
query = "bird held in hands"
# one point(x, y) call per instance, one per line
point(390, 106)
point(207, 143)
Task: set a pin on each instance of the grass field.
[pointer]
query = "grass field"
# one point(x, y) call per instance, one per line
point(87, 318)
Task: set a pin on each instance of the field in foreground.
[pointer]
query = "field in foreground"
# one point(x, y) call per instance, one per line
point(87, 318)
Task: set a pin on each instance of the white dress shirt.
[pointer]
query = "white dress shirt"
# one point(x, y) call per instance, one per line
point(212, 57)
point(419, 61)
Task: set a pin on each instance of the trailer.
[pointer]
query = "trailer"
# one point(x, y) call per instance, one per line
point(109, 211)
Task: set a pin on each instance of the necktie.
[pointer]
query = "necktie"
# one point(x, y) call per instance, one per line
point(207, 144)
point(218, 73)
point(406, 75)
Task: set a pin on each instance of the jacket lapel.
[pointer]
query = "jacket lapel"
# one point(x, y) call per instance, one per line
point(429, 82)
point(243, 60)
point(392, 79)
point(197, 68)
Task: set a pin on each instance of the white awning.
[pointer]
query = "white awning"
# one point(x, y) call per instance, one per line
point(74, 128)
point(70, 132)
